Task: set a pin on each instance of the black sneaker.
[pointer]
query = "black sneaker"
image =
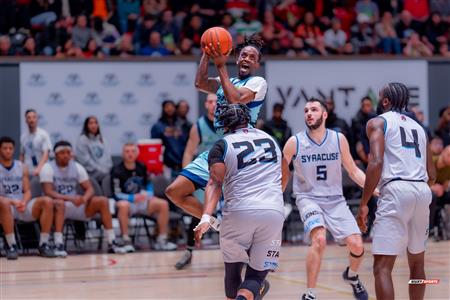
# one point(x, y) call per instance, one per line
point(46, 251)
point(309, 296)
point(11, 252)
point(264, 289)
point(60, 251)
point(116, 248)
point(184, 260)
point(359, 291)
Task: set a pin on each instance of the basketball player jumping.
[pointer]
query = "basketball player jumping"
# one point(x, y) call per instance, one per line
point(246, 88)
point(400, 163)
point(246, 162)
point(317, 155)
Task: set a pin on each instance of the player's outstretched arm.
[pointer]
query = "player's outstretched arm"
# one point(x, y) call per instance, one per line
point(289, 151)
point(375, 133)
point(191, 146)
point(355, 173)
point(202, 81)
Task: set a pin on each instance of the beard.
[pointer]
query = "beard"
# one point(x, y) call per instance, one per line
point(380, 108)
point(316, 124)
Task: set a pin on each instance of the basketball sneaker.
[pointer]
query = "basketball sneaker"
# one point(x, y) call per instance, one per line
point(184, 260)
point(164, 246)
point(59, 250)
point(46, 251)
point(264, 289)
point(309, 296)
point(11, 252)
point(128, 246)
point(359, 291)
point(114, 247)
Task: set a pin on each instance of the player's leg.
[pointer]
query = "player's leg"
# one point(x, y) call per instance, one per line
point(160, 208)
point(233, 279)
point(59, 216)
point(41, 209)
point(7, 221)
point(180, 193)
point(100, 204)
point(190, 243)
point(124, 209)
point(416, 264)
point(382, 271)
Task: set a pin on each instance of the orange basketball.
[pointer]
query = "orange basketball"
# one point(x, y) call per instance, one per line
point(216, 35)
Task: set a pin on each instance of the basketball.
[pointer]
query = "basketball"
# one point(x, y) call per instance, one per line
point(216, 35)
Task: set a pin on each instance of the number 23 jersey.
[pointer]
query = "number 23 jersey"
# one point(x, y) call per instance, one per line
point(317, 167)
point(253, 170)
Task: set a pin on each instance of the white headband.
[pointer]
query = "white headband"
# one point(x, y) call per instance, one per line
point(63, 147)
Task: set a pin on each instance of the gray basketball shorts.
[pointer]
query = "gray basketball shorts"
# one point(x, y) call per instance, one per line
point(138, 208)
point(402, 218)
point(73, 212)
point(252, 237)
point(27, 215)
point(331, 212)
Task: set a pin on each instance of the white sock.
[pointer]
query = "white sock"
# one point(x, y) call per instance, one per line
point(44, 238)
point(352, 273)
point(126, 238)
point(311, 291)
point(162, 238)
point(58, 238)
point(110, 235)
point(10, 239)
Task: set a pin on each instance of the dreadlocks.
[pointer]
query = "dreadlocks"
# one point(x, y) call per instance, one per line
point(234, 116)
point(255, 40)
point(398, 94)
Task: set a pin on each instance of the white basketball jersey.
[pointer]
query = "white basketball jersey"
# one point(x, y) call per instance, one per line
point(11, 181)
point(65, 180)
point(405, 149)
point(253, 171)
point(317, 167)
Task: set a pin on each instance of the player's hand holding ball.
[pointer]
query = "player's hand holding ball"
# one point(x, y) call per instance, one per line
point(217, 43)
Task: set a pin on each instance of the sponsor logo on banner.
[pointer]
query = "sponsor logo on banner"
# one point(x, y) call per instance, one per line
point(110, 79)
point(74, 120)
point(36, 79)
point(162, 96)
point(128, 137)
point(55, 99)
point(128, 98)
point(92, 98)
point(146, 79)
point(111, 119)
point(73, 79)
point(146, 119)
point(181, 79)
point(56, 137)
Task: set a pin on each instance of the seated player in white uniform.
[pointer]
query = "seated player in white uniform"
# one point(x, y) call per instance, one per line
point(246, 163)
point(60, 179)
point(317, 155)
point(401, 164)
point(16, 202)
point(134, 195)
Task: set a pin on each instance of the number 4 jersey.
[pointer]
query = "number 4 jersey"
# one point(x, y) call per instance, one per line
point(405, 149)
point(253, 170)
point(317, 167)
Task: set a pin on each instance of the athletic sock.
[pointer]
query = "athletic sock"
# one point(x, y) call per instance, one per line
point(351, 273)
point(190, 248)
point(58, 238)
point(311, 291)
point(162, 238)
point(126, 238)
point(10, 239)
point(111, 236)
point(43, 238)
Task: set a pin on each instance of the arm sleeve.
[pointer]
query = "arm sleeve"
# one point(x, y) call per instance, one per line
point(217, 152)
point(82, 174)
point(46, 174)
point(258, 85)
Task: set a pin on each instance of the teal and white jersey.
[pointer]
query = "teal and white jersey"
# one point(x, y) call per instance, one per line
point(256, 84)
point(207, 134)
point(11, 181)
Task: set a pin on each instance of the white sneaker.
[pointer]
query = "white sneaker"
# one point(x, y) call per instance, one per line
point(128, 247)
point(59, 250)
point(165, 246)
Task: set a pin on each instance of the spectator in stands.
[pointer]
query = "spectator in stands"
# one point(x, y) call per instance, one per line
point(81, 33)
point(248, 25)
point(443, 129)
point(444, 50)
point(436, 145)
point(443, 7)
point(144, 29)
point(336, 123)
point(170, 33)
point(297, 48)
point(104, 34)
point(227, 23)
point(92, 152)
point(415, 48)
point(407, 26)
point(273, 30)
point(311, 35)
point(173, 137)
point(69, 50)
point(182, 116)
point(134, 195)
point(102, 9)
point(420, 117)
point(335, 38)
point(5, 46)
point(16, 201)
point(435, 31)
point(358, 128)
point(419, 9)
point(209, 11)
point(185, 47)
point(385, 30)
point(193, 31)
point(125, 8)
point(41, 13)
point(60, 179)
point(93, 50)
point(35, 144)
point(155, 47)
point(125, 47)
point(277, 126)
point(29, 47)
point(362, 36)
point(290, 13)
point(368, 8)
point(154, 7)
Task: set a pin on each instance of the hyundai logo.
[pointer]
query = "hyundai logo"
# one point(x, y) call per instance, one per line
point(73, 79)
point(128, 137)
point(146, 119)
point(128, 98)
point(146, 79)
point(74, 120)
point(92, 98)
point(36, 79)
point(55, 99)
point(110, 79)
point(111, 119)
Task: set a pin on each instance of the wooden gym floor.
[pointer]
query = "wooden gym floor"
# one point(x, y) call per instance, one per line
point(151, 275)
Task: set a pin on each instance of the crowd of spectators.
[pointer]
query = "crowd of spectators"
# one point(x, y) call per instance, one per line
point(99, 28)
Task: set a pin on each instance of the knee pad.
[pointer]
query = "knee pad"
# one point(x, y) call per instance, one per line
point(252, 285)
point(232, 279)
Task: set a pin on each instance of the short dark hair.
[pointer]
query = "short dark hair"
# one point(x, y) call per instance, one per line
point(278, 106)
point(6, 140)
point(321, 102)
point(398, 94)
point(366, 98)
point(30, 110)
point(61, 143)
